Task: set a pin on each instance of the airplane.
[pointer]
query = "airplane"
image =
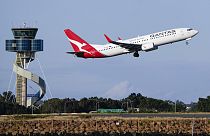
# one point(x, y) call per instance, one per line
point(145, 43)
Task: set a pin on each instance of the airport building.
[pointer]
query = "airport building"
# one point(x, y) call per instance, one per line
point(25, 46)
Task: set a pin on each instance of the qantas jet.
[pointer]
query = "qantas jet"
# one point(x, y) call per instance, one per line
point(141, 43)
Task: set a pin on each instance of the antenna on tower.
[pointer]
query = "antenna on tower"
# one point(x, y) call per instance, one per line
point(24, 25)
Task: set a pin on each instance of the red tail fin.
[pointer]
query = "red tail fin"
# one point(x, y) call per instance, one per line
point(81, 47)
point(75, 40)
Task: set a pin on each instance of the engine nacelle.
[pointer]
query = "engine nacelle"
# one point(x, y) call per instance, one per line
point(154, 48)
point(147, 46)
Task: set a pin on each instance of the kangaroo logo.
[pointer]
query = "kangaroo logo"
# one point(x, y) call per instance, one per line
point(79, 45)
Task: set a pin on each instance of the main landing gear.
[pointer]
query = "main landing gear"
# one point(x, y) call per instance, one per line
point(136, 54)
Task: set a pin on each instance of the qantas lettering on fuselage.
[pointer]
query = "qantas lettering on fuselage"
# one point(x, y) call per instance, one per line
point(134, 45)
point(162, 34)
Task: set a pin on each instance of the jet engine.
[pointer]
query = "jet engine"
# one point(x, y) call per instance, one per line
point(149, 47)
point(154, 48)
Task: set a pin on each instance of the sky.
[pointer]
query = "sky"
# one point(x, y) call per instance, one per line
point(173, 72)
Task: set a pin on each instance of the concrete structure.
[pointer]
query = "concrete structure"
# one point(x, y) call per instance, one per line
point(25, 45)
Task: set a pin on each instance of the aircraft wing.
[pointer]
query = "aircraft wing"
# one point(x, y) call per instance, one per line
point(129, 46)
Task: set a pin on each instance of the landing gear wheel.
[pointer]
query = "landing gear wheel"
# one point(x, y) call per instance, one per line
point(136, 54)
point(187, 43)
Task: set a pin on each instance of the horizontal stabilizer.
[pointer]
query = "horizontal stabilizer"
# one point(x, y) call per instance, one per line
point(71, 52)
point(76, 53)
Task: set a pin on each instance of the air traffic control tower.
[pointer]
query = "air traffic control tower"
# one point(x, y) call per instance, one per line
point(25, 45)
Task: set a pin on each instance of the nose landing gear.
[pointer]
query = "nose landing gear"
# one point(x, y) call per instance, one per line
point(187, 40)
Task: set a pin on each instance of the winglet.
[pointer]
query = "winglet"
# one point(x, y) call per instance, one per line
point(107, 38)
point(119, 38)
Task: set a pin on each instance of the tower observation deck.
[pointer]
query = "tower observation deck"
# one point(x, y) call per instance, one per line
point(25, 45)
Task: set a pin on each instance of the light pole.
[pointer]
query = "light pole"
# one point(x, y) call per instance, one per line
point(65, 107)
point(131, 107)
point(97, 105)
point(127, 105)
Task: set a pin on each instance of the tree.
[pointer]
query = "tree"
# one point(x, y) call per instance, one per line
point(8, 106)
point(7, 96)
point(204, 104)
point(180, 106)
point(54, 105)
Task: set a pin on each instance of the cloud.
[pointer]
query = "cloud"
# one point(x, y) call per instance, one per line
point(119, 91)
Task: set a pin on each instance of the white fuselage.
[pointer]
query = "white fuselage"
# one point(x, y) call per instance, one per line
point(155, 39)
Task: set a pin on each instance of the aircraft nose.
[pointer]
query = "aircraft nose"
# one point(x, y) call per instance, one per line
point(196, 32)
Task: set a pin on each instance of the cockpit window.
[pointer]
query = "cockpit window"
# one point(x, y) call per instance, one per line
point(189, 29)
